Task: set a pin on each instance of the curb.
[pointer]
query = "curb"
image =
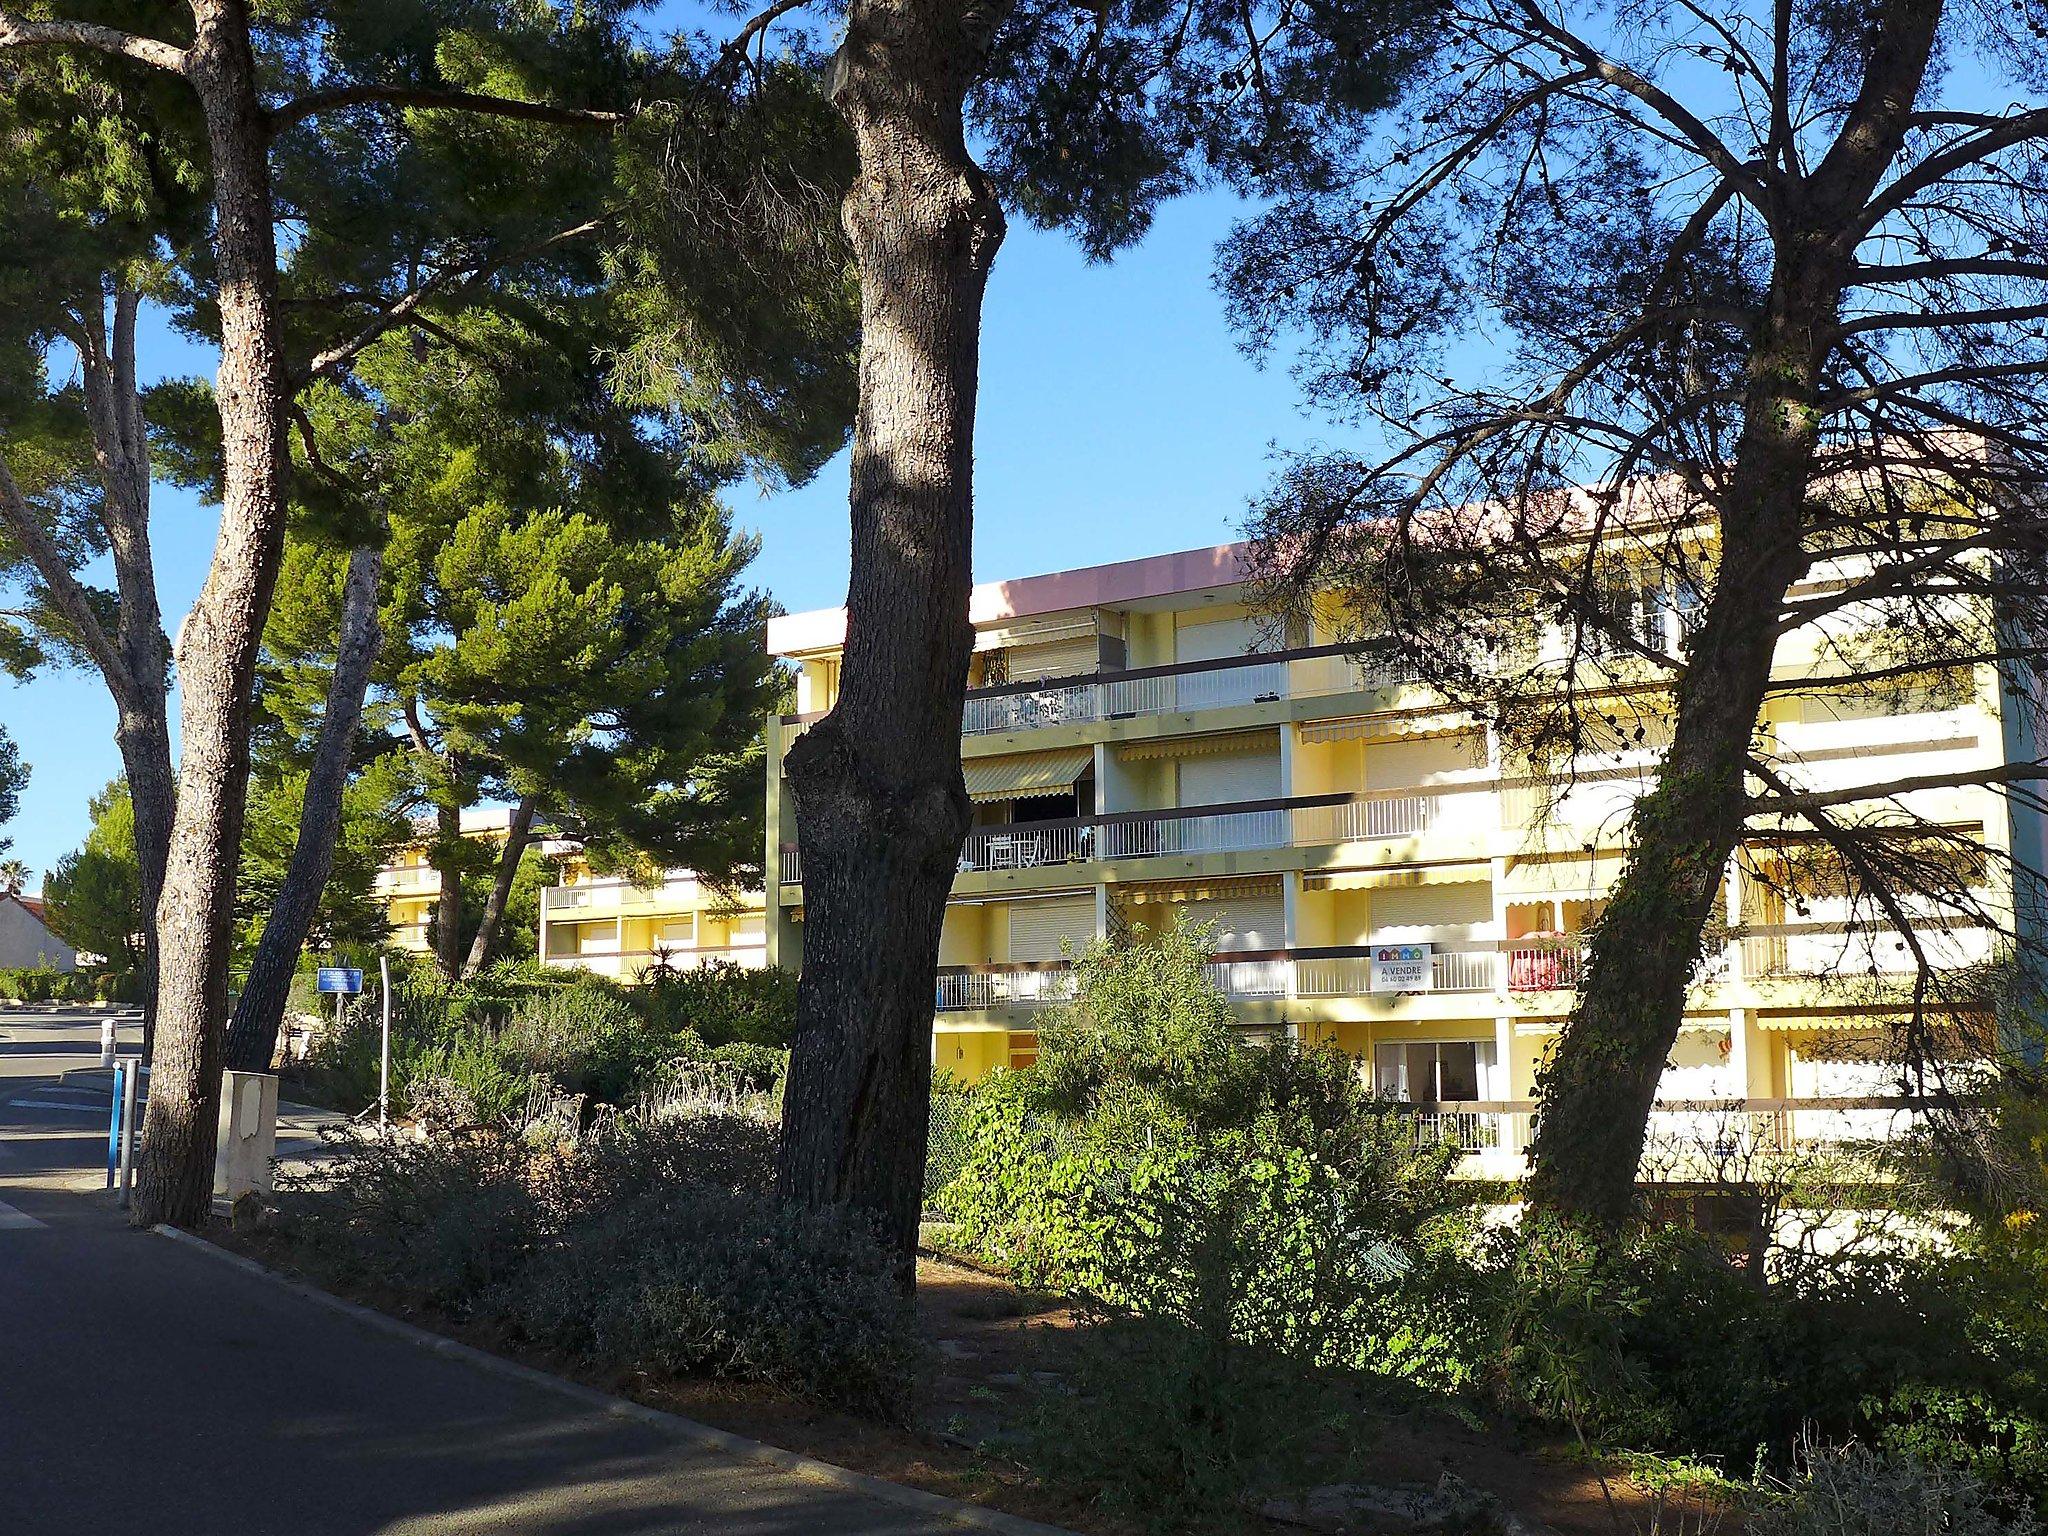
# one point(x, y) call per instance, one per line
point(937, 1505)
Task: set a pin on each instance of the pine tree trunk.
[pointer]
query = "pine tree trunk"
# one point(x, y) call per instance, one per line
point(880, 803)
point(518, 838)
point(142, 731)
point(252, 1032)
point(448, 951)
point(1597, 1091)
point(218, 644)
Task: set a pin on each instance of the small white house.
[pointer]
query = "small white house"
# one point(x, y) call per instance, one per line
point(26, 941)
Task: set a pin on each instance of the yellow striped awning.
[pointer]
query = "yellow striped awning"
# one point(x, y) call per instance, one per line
point(1159, 747)
point(1569, 876)
point(1200, 890)
point(1033, 773)
point(1396, 879)
point(1369, 728)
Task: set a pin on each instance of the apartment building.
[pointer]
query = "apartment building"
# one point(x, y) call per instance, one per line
point(1138, 744)
point(410, 886)
point(623, 928)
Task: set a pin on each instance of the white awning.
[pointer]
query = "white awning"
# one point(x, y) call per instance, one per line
point(1025, 775)
point(1394, 879)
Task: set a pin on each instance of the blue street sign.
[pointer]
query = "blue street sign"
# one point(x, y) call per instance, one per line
point(338, 978)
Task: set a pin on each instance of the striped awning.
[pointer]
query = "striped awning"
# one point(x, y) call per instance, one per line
point(1395, 879)
point(1569, 876)
point(1026, 774)
point(1826, 1023)
point(1371, 728)
point(1237, 743)
point(1199, 890)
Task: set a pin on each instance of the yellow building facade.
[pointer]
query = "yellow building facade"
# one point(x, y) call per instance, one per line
point(623, 928)
point(1139, 744)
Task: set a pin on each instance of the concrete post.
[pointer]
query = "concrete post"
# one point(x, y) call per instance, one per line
point(248, 1134)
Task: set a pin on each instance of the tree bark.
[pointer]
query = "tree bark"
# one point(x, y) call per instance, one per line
point(218, 643)
point(252, 1032)
point(140, 686)
point(448, 951)
point(1597, 1090)
point(881, 806)
point(518, 838)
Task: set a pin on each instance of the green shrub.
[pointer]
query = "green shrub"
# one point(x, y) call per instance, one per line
point(46, 984)
point(1177, 1434)
point(433, 1221)
point(1850, 1490)
point(692, 1281)
point(722, 1004)
point(652, 1243)
point(584, 1038)
point(1151, 1161)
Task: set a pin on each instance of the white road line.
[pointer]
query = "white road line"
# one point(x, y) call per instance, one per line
point(62, 1107)
point(10, 1217)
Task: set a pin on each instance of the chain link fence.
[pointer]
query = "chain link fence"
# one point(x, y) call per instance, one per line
point(946, 1148)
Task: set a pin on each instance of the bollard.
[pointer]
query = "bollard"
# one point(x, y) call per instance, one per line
point(114, 1125)
point(107, 1042)
point(131, 1093)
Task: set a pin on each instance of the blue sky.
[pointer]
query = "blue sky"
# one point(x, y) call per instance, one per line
point(1117, 419)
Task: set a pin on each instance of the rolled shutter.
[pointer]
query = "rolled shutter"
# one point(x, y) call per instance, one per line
point(1038, 927)
point(1245, 922)
point(1215, 640)
point(1069, 656)
point(1432, 906)
point(1228, 780)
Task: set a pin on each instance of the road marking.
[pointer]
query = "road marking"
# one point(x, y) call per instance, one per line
point(10, 1217)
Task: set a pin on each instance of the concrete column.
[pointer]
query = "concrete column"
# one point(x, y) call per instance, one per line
point(1738, 1051)
point(248, 1134)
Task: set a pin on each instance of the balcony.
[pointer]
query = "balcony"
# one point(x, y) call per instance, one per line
point(1239, 975)
point(605, 897)
point(1689, 1139)
point(1311, 821)
point(1812, 951)
point(414, 880)
point(1324, 671)
point(633, 964)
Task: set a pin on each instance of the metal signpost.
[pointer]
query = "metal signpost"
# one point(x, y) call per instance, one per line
point(384, 1057)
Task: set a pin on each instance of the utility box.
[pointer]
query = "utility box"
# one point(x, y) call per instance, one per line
point(248, 1135)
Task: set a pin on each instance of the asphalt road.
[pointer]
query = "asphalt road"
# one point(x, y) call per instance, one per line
point(150, 1389)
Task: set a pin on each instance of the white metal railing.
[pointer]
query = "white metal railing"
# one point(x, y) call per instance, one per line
point(1548, 966)
point(411, 880)
point(1690, 1139)
point(615, 895)
point(1817, 950)
point(633, 964)
point(1250, 680)
point(1450, 970)
point(1266, 977)
point(1024, 845)
point(958, 990)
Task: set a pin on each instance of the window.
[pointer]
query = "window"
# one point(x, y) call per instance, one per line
point(1447, 1071)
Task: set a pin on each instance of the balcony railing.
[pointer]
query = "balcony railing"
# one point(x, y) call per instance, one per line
point(632, 964)
point(1243, 974)
point(1320, 671)
point(1312, 821)
point(1805, 951)
point(1690, 1138)
point(619, 895)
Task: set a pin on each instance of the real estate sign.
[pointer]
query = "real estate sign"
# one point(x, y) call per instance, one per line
point(1400, 968)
